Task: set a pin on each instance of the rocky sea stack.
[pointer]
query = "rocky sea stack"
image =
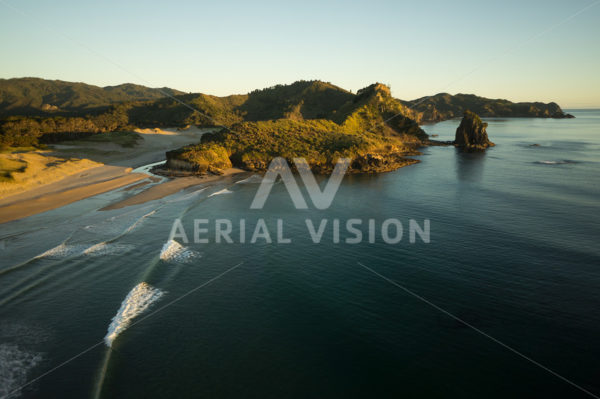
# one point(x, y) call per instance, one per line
point(471, 134)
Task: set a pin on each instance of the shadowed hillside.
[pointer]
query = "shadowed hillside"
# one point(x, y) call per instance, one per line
point(446, 106)
point(34, 96)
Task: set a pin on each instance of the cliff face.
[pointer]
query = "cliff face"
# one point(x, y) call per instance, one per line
point(471, 133)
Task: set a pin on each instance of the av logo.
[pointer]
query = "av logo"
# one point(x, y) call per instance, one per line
point(320, 199)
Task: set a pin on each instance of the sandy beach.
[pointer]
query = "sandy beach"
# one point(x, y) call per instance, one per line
point(76, 170)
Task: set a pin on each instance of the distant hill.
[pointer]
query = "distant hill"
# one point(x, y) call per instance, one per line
point(446, 106)
point(34, 96)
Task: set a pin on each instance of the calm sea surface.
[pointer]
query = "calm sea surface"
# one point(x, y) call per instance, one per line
point(514, 252)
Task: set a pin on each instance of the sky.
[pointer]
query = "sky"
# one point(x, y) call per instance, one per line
point(525, 50)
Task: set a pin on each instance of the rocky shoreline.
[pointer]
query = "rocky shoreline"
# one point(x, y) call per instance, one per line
point(367, 163)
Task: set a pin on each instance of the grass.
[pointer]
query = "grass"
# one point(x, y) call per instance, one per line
point(8, 167)
point(24, 170)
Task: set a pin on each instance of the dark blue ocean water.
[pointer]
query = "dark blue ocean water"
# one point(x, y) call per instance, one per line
point(513, 252)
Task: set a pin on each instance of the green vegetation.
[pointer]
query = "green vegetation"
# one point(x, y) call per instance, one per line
point(445, 106)
point(204, 158)
point(18, 131)
point(34, 96)
point(124, 139)
point(252, 145)
point(312, 119)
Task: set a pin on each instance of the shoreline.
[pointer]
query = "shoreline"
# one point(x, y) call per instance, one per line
point(118, 167)
point(169, 187)
point(49, 199)
point(133, 168)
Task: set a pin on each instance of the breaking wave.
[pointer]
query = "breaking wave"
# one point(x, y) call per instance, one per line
point(67, 250)
point(254, 179)
point(224, 191)
point(103, 249)
point(172, 251)
point(15, 364)
point(63, 251)
point(560, 162)
point(135, 303)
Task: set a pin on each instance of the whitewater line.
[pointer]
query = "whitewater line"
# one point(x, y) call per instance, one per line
point(12, 268)
point(178, 255)
point(65, 245)
point(90, 250)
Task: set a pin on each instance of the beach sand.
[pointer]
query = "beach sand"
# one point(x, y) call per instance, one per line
point(90, 169)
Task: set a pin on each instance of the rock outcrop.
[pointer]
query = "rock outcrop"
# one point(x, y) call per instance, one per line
point(471, 134)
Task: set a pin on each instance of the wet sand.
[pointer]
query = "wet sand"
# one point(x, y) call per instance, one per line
point(167, 188)
point(50, 197)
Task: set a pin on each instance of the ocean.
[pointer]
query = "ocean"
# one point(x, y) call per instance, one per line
point(501, 299)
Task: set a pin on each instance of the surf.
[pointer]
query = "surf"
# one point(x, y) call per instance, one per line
point(172, 251)
point(137, 301)
point(221, 192)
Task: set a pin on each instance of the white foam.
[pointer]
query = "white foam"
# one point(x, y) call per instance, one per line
point(15, 364)
point(103, 248)
point(63, 251)
point(224, 191)
point(254, 179)
point(172, 251)
point(139, 221)
point(562, 162)
point(67, 250)
point(135, 303)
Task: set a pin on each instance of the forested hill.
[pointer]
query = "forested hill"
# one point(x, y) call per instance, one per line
point(34, 96)
point(445, 106)
point(37, 110)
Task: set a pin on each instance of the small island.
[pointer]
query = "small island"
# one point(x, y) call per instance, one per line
point(471, 134)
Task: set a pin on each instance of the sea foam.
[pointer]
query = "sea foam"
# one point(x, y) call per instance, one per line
point(172, 251)
point(224, 191)
point(560, 162)
point(135, 303)
point(15, 364)
point(254, 179)
point(71, 250)
point(63, 251)
point(103, 249)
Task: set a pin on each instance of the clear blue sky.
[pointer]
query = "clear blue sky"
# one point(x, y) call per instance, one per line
point(225, 47)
